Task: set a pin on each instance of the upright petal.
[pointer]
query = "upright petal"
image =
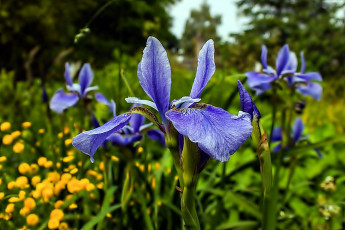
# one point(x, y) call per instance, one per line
point(247, 104)
point(297, 129)
point(68, 75)
point(85, 78)
point(88, 142)
point(217, 132)
point(155, 75)
point(303, 65)
point(62, 101)
point(264, 56)
point(156, 135)
point(277, 134)
point(291, 66)
point(282, 59)
point(205, 70)
point(136, 120)
point(311, 88)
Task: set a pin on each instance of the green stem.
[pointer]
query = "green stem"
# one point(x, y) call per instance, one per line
point(188, 207)
point(274, 112)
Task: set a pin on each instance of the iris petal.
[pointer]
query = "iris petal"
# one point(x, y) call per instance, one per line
point(120, 140)
point(61, 101)
point(297, 129)
point(264, 56)
point(89, 141)
point(156, 135)
point(311, 88)
point(136, 120)
point(310, 76)
point(247, 104)
point(277, 134)
point(140, 101)
point(85, 78)
point(217, 132)
point(257, 79)
point(282, 59)
point(155, 75)
point(102, 99)
point(68, 75)
point(291, 66)
point(205, 69)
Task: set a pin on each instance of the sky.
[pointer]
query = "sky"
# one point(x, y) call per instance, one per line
point(231, 21)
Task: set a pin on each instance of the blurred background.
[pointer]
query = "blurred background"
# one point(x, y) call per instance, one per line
point(38, 37)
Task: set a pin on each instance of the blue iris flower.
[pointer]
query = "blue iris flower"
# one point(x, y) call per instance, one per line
point(295, 136)
point(63, 100)
point(217, 133)
point(286, 68)
point(247, 104)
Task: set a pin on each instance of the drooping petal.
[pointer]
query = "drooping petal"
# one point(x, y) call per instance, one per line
point(88, 142)
point(124, 140)
point(113, 107)
point(205, 69)
point(247, 104)
point(257, 79)
point(140, 101)
point(155, 75)
point(184, 102)
point(102, 99)
point(291, 66)
point(137, 120)
point(277, 134)
point(264, 56)
point(310, 76)
point(311, 88)
point(217, 132)
point(85, 78)
point(282, 59)
point(95, 122)
point(156, 135)
point(68, 75)
point(259, 89)
point(62, 101)
point(297, 129)
point(303, 65)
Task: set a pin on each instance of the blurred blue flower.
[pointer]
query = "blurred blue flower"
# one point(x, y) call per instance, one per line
point(218, 133)
point(286, 67)
point(247, 104)
point(295, 136)
point(63, 100)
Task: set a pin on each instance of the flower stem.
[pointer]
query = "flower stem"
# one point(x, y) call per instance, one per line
point(188, 208)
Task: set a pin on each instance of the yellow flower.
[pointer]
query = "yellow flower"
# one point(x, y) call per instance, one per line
point(58, 165)
point(74, 171)
point(5, 126)
point(26, 125)
point(32, 219)
point(57, 214)
point(68, 159)
point(157, 165)
point(73, 206)
point(47, 193)
point(15, 134)
point(58, 203)
point(48, 164)
point(11, 185)
point(59, 186)
point(3, 159)
point(21, 195)
point(34, 168)
point(24, 211)
point(140, 150)
point(65, 130)
point(100, 185)
point(159, 203)
point(74, 186)
point(21, 182)
point(54, 176)
point(41, 131)
point(24, 168)
point(2, 195)
point(35, 180)
point(68, 142)
point(18, 147)
point(14, 199)
point(41, 161)
point(9, 208)
point(90, 187)
point(101, 166)
point(29, 203)
point(7, 139)
point(63, 226)
point(60, 135)
point(114, 158)
point(66, 177)
point(53, 223)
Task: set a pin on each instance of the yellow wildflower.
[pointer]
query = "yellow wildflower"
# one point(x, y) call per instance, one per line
point(68, 159)
point(15, 134)
point(7, 139)
point(68, 141)
point(18, 147)
point(3, 159)
point(157, 165)
point(34, 168)
point(9, 208)
point(47, 193)
point(57, 214)
point(115, 158)
point(35, 180)
point(21, 182)
point(140, 149)
point(21, 195)
point(29, 203)
point(74, 171)
point(26, 125)
point(48, 164)
point(73, 206)
point(159, 203)
point(41, 161)
point(60, 185)
point(2, 195)
point(58, 165)
point(14, 199)
point(32, 219)
point(100, 185)
point(65, 130)
point(24, 211)
point(11, 185)
point(58, 203)
point(53, 223)
point(24, 168)
point(90, 187)
point(54, 176)
point(63, 226)
point(41, 131)
point(5, 126)
point(60, 135)
point(66, 177)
